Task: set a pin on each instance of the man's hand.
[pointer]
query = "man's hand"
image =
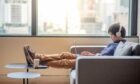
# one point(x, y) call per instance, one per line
point(87, 53)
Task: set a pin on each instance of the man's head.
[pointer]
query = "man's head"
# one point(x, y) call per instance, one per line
point(117, 32)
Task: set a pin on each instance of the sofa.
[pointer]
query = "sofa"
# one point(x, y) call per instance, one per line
point(84, 63)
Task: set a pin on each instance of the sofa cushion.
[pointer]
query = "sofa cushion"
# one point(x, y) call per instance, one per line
point(123, 49)
point(133, 45)
point(91, 48)
point(136, 51)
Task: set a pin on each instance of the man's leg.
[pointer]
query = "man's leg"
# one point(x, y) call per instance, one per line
point(63, 60)
point(64, 63)
point(52, 57)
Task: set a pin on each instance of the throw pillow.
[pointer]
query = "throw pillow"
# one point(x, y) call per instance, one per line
point(123, 49)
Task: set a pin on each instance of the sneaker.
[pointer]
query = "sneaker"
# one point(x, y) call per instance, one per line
point(31, 53)
point(27, 56)
point(30, 56)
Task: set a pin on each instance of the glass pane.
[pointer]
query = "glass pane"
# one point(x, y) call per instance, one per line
point(84, 17)
point(15, 17)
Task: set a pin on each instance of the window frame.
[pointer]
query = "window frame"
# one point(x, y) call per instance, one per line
point(134, 16)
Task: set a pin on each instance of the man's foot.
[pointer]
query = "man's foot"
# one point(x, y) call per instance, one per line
point(27, 56)
point(31, 53)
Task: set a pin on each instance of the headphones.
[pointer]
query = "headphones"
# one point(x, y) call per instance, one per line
point(118, 34)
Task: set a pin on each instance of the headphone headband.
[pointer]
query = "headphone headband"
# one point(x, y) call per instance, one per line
point(120, 28)
point(119, 32)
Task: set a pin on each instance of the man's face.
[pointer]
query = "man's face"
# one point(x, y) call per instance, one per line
point(113, 37)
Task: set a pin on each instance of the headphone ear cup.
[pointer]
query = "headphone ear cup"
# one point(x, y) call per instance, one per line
point(118, 34)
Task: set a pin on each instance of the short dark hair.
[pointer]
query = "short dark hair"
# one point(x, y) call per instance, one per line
point(114, 28)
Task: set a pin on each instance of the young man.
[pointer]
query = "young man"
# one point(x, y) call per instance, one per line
point(67, 59)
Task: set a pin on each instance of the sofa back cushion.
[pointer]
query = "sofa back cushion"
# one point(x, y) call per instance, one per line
point(90, 48)
point(124, 49)
point(136, 51)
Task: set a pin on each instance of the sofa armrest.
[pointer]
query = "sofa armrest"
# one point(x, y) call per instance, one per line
point(91, 48)
point(107, 70)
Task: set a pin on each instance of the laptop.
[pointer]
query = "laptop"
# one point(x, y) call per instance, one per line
point(29, 61)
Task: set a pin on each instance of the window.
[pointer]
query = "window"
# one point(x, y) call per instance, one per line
point(15, 17)
point(82, 17)
point(66, 17)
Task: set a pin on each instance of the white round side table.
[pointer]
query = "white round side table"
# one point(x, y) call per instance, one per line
point(23, 75)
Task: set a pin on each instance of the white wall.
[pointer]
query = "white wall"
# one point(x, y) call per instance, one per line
point(11, 49)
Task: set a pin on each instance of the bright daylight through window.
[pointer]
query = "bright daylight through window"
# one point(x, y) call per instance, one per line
point(84, 17)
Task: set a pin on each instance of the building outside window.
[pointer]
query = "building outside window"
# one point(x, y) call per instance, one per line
point(14, 18)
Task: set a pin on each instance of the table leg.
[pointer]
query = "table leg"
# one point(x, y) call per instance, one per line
point(23, 80)
point(27, 81)
point(27, 78)
point(27, 70)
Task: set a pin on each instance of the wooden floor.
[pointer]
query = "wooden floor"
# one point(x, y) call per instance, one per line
point(42, 80)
